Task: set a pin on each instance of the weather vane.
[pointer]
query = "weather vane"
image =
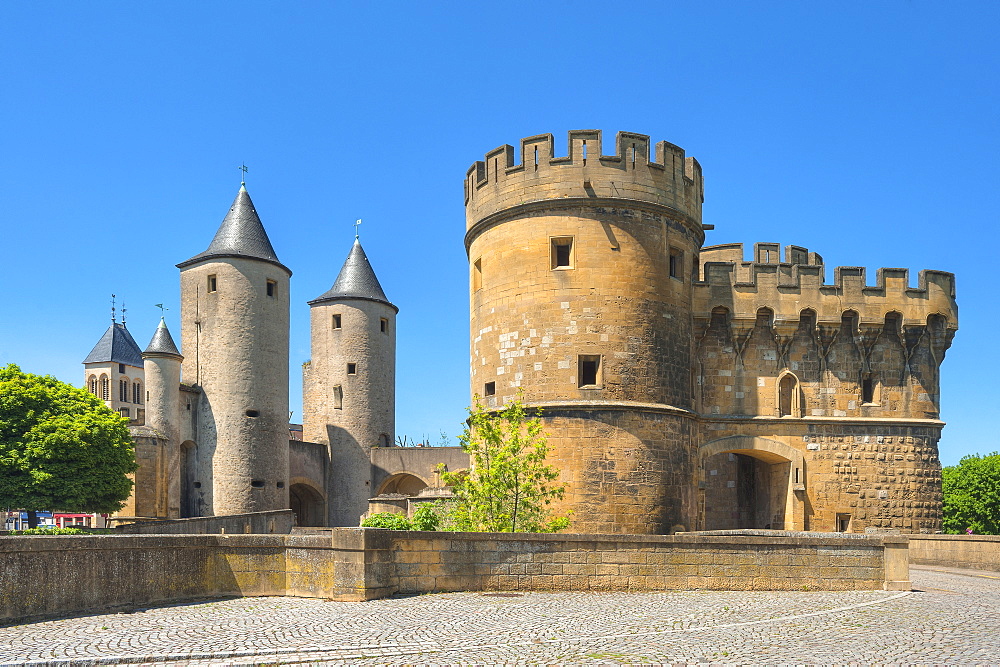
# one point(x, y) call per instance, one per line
point(112, 309)
point(243, 178)
point(123, 313)
point(356, 224)
point(161, 307)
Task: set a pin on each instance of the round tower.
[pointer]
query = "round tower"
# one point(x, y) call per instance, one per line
point(234, 329)
point(349, 392)
point(162, 368)
point(581, 272)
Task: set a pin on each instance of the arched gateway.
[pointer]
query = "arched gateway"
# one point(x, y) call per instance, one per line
point(751, 482)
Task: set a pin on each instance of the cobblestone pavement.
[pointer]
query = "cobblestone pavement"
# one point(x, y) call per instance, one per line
point(953, 617)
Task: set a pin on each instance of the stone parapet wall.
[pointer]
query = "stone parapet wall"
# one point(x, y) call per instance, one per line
point(520, 562)
point(278, 522)
point(128, 571)
point(974, 552)
point(50, 576)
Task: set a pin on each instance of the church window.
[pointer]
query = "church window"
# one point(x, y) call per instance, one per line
point(352, 369)
point(338, 397)
point(136, 393)
point(477, 275)
point(383, 325)
point(92, 385)
point(590, 370)
point(213, 284)
point(336, 321)
point(562, 252)
point(105, 388)
point(676, 263)
point(490, 389)
point(123, 390)
point(271, 287)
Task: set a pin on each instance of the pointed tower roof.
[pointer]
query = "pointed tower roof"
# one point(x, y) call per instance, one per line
point(356, 280)
point(162, 342)
point(241, 234)
point(116, 346)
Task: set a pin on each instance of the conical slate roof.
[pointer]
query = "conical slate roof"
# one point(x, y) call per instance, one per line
point(356, 280)
point(241, 234)
point(163, 342)
point(116, 346)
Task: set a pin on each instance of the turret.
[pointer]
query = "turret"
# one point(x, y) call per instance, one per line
point(234, 331)
point(581, 271)
point(162, 365)
point(349, 384)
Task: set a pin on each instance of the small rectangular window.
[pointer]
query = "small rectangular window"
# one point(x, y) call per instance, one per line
point(121, 368)
point(383, 325)
point(352, 369)
point(490, 389)
point(562, 252)
point(125, 412)
point(843, 523)
point(271, 287)
point(868, 388)
point(477, 275)
point(589, 370)
point(336, 321)
point(676, 263)
point(212, 283)
point(338, 397)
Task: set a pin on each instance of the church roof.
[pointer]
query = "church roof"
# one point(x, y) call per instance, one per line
point(162, 342)
point(116, 346)
point(356, 280)
point(241, 234)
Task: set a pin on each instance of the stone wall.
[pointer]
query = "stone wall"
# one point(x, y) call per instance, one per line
point(277, 522)
point(975, 552)
point(792, 561)
point(365, 563)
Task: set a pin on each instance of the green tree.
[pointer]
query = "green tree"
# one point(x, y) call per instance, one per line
point(509, 486)
point(60, 447)
point(971, 493)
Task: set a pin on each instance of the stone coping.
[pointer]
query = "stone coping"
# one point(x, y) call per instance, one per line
point(962, 537)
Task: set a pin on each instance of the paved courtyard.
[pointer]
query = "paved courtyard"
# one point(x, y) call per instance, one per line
point(952, 617)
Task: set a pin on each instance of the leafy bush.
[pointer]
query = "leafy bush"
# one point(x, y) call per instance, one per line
point(389, 520)
point(426, 517)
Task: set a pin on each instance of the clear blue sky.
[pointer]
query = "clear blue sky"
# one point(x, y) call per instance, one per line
point(866, 131)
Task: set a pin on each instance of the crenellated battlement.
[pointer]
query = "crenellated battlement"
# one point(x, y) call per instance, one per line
point(794, 283)
point(670, 180)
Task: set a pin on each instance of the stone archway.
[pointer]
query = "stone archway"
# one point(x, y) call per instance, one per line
point(308, 505)
point(404, 483)
point(751, 482)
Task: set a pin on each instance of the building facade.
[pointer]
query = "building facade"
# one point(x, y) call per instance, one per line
point(681, 386)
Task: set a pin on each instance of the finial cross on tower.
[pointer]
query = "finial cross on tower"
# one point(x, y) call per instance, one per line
point(243, 178)
point(113, 309)
point(356, 225)
point(123, 312)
